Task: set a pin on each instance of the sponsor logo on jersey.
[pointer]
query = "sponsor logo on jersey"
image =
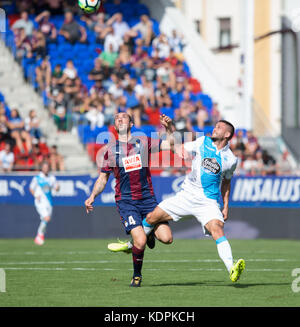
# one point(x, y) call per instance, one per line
point(211, 165)
point(132, 163)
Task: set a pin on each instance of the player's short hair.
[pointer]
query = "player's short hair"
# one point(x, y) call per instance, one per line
point(232, 130)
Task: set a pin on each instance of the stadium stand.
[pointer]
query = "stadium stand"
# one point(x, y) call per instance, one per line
point(87, 68)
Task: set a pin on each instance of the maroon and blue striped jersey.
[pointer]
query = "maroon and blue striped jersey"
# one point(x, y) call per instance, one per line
point(129, 162)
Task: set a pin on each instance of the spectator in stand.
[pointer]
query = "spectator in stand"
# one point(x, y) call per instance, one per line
point(119, 25)
point(165, 75)
point(180, 74)
point(32, 125)
point(124, 56)
point(24, 23)
point(269, 162)
point(97, 91)
point(133, 105)
point(57, 74)
point(181, 122)
point(250, 165)
point(283, 167)
point(23, 45)
point(43, 74)
point(58, 109)
point(38, 45)
point(55, 6)
point(18, 133)
point(147, 93)
point(145, 28)
point(139, 56)
point(46, 27)
point(7, 159)
point(72, 31)
point(4, 130)
point(116, 89)
point(128, 41)
point(162, 96)
point(176, 42)
point(215, 114)
point(119, 70)
point(110, 109)
point(202, 116)
point(100, 28)
point(37, 156)
point(70, 90)
point(56, 160)
point(95, 116)
point(112, 39)
point(97, 74)
point(69, 72)
point(149, 72)
point(252, 143)
point(161, 44)
point(109, 57)
point(259, 163)
point(53, 90)
point(23, 5)
point(238, 141)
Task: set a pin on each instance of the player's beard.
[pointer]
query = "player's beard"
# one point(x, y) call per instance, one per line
point(122, 129)
point(215, 138)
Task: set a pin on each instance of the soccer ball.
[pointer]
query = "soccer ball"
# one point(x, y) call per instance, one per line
point(89, 6)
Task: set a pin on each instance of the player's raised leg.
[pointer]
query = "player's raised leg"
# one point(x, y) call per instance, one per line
point(216, 229)
point(155, 217)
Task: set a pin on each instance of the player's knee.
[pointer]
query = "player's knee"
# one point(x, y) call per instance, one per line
point(47, 219)
point(140, 242)
point(167, 239)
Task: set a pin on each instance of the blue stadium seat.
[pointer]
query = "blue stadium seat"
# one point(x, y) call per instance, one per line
point(206, 101)
point(141, 9)
point(168, 111)
point(208, 129)
point(198, 129)
point(148, 130)
point(243, 130)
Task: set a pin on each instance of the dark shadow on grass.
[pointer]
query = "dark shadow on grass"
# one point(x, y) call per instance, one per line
point(258, 284)
point(219, 283)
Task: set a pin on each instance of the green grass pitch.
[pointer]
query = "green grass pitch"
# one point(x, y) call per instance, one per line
point(187, 273)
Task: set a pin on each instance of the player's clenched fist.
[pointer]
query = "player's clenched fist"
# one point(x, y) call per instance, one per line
point(166, 121)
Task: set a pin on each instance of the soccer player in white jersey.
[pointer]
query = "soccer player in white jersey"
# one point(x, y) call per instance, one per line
point(213, 165)
point(41, 187)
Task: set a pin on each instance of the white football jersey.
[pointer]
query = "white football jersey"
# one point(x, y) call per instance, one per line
point(209, 167)
point(42, 186)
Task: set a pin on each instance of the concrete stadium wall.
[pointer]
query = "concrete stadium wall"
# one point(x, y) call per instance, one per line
point(19, 221)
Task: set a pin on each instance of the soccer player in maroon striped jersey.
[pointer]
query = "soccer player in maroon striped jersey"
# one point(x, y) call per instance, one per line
point(128, 159)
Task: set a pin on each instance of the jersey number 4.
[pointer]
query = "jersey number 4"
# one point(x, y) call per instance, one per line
point(131, 220)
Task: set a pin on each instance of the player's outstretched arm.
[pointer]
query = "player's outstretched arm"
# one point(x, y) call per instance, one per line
point(167, 144)
point(225, 191)
point(98, 188)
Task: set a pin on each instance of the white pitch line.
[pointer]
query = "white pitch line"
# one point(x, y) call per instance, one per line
point(149, 269)
point(122, 262)
point(52, 253)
